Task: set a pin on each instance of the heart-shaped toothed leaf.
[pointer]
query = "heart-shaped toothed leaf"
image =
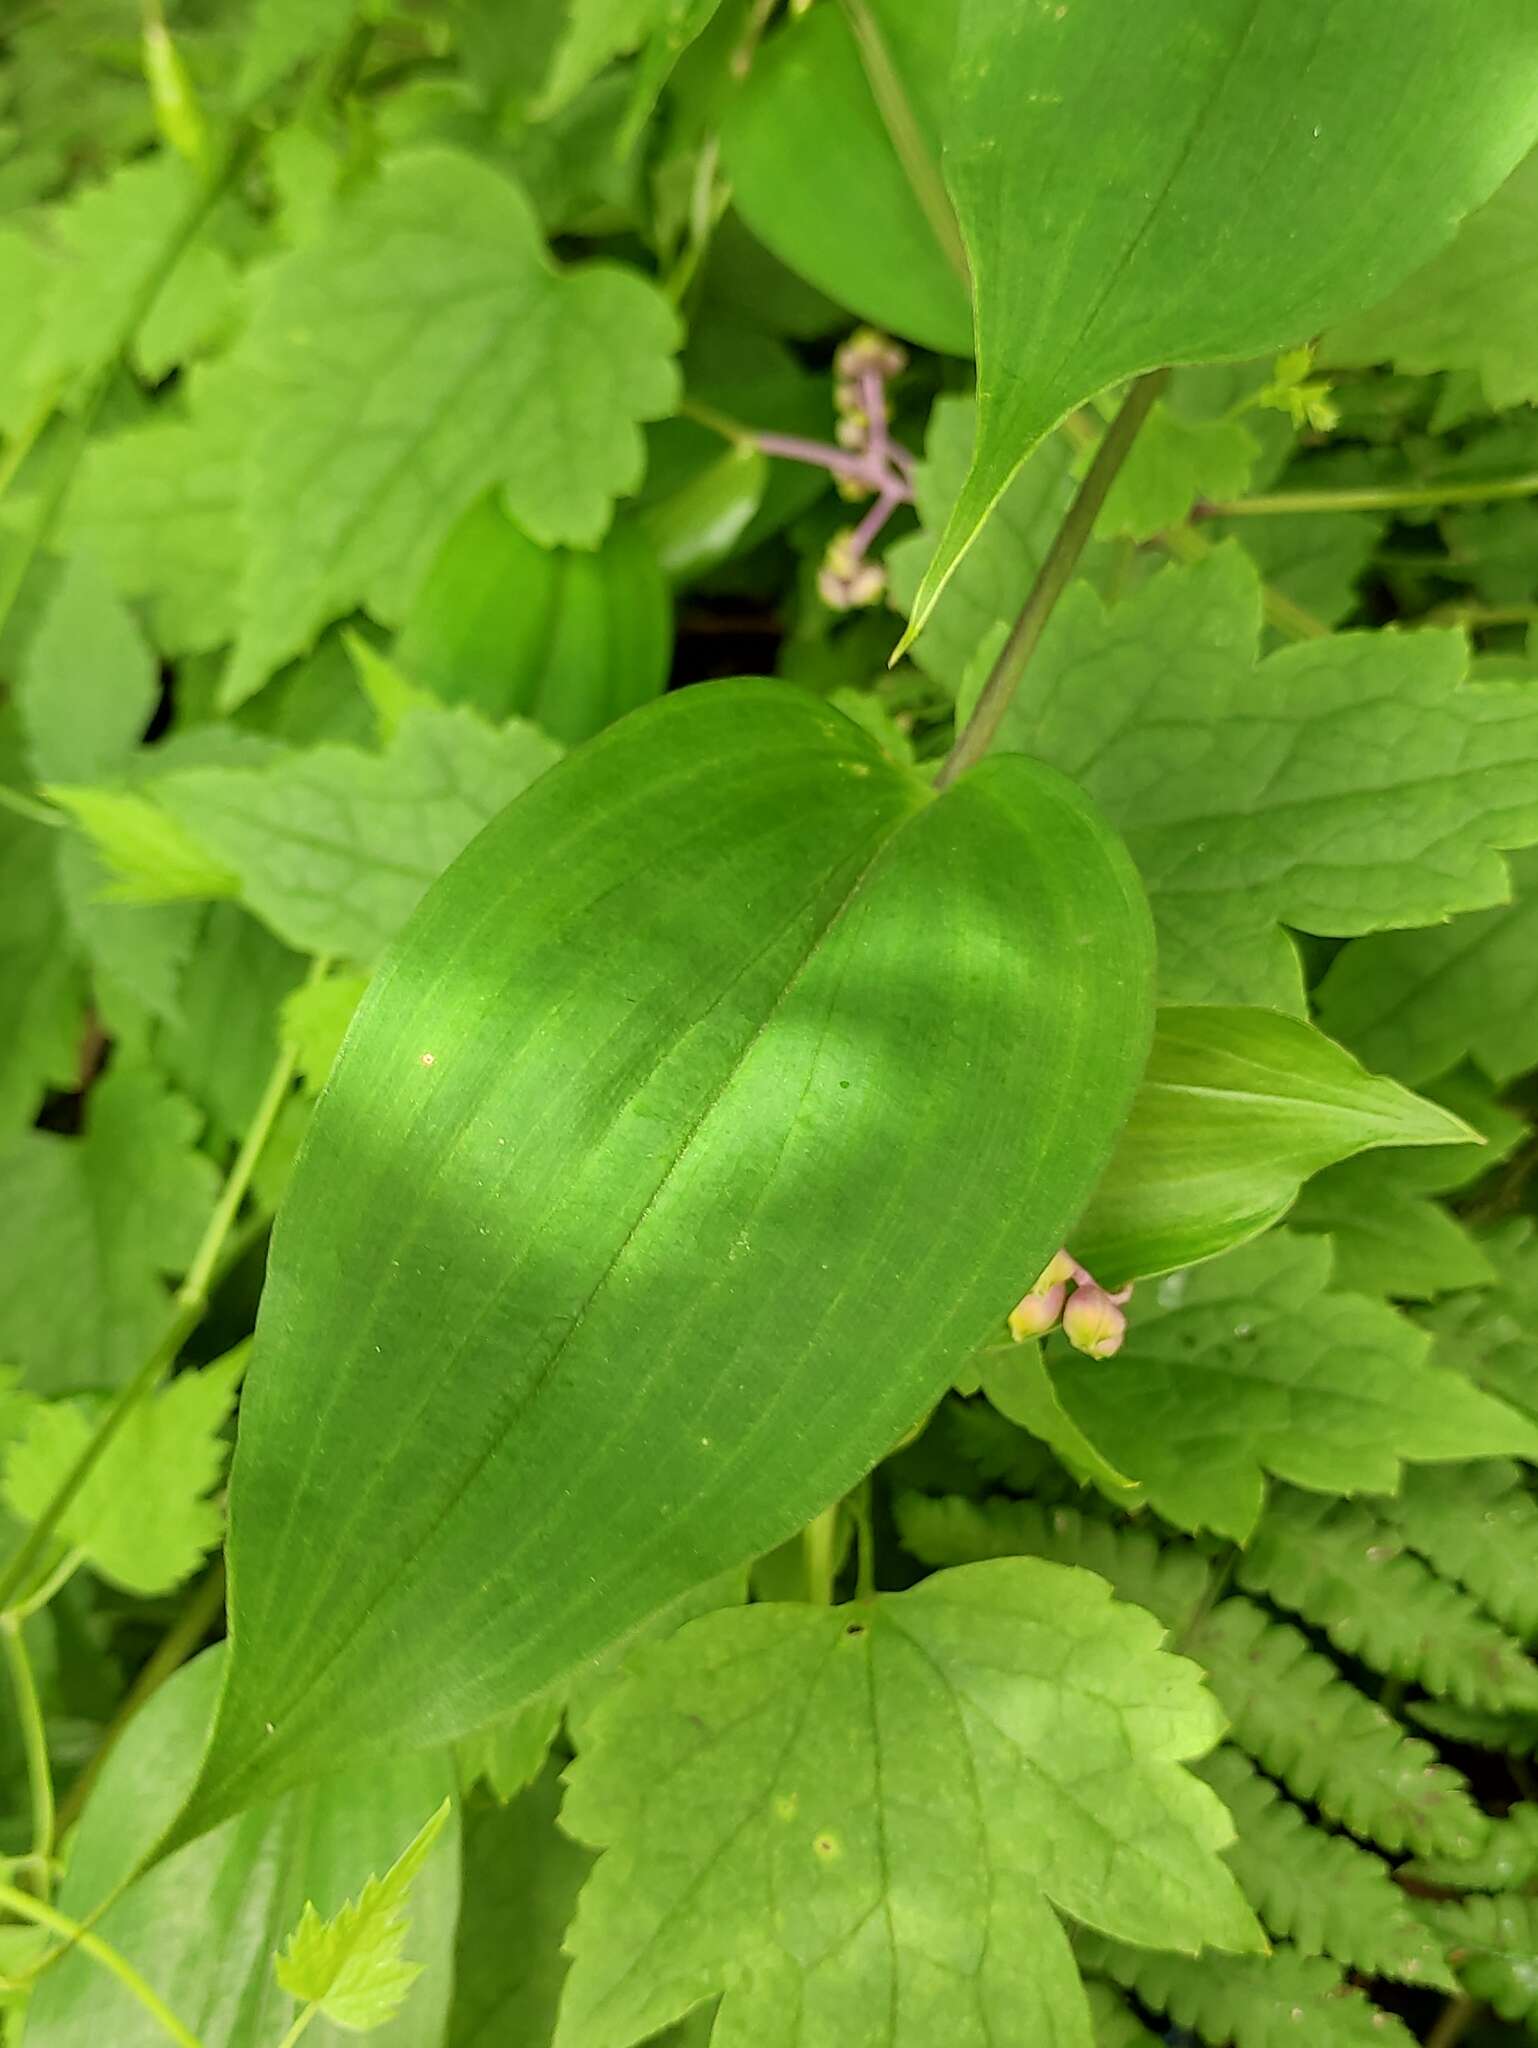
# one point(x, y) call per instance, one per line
point(705, 1116)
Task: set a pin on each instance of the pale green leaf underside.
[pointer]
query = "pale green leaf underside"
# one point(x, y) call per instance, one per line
point(1249, 1366)
point(1136, 190)
point(1236, 1109)
point(852, 1822)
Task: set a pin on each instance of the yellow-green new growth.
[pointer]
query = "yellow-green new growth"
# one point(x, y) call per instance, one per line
point(350, 1967)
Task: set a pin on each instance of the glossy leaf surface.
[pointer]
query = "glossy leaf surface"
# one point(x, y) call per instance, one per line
point(1137, 188)
point(622, 1242)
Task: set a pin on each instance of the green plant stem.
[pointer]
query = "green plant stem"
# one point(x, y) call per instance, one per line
point(1375, 498)
point(907, 138)
point(34, 1738)
point(1287, 617)
point(1452, 2022)
point(817, 1546)
point(30, 807)
point(44, 1915)
point(722, 423)
point(34, 1602)
point(299, 2026)
point(170, 1654)
point(862, 1502)
point(27, 437)
point(1052, 579)
point(189, 1305)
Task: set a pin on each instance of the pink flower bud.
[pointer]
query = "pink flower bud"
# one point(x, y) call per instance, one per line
point(1036, 1313)
point(1060, 1269)
point(1093, 1323)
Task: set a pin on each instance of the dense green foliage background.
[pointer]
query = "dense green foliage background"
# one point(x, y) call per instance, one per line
point(409, 404)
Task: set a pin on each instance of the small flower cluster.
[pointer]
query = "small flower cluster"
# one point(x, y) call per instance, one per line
point(1092, 1316)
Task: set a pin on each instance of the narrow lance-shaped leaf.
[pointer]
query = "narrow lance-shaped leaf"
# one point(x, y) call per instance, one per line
point(1137, 187)
point(622, 1242)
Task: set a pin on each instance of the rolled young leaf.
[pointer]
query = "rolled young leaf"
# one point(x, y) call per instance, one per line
point(705, 1116)
point(1237, 1108)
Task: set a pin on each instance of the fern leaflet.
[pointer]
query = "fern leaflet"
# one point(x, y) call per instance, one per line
point(1478, 1524)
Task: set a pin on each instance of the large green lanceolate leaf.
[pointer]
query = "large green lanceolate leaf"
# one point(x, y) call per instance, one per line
point(623, 1241)
point(1236, 1110)
point(569, 637)
point(1138, 187)
point(204, 1927)
point(852, 1820)
point(422, 351)
point(818, 175)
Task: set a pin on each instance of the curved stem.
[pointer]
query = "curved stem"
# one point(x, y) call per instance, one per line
point(188, 1308)
point(34, 1738)
point(30, 807)
point(1052, 579)
point(1375, 498)
point(907, 138)
point(43, 1915)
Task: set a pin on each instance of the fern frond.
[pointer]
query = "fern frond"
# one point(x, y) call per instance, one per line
point(1169, 1578)
point(1329, 1744)
point(1476, 1523)
point(1116, 2025)
point(1272, 2001)
point(1507, 1863)
point(1512, 1734)
point(1492, 1943)
point(1350, 1574)
point(1320, 1890)
point(996, 1449)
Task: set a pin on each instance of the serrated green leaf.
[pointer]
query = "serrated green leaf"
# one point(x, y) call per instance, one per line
point(567, 637)
point(522, 1877)
point(508, 1754)
point(87, 682)
point(1493, 1945)
point(1016, 1382)
point(143, 1518)
point(685, 1111)
point(775, 1780)
point(432, 293)
point(160, 506)
point(221, 1048)
point(1195, 157)
point(1491, 1334)
point(598, 31)
point(817, 175)
point(1473, 307)
point(1476, 1524)
point(351, 1965)
point(1235, 1110)
point(1174, 461)
point(1389, 1238)
point(42, 984)
point(94, 1223)
point(1341, 786)
point(1415, 1003)
point(315, 1020)
point(204, 1927)
point(1250, 1365)
point(150, 857)
point(282, 34)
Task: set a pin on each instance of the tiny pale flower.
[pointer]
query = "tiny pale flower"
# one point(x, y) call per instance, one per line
point(1093, 1322)
point(1037, 1312)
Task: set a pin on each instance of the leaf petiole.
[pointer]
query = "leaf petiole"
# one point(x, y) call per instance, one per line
point(43, 1915)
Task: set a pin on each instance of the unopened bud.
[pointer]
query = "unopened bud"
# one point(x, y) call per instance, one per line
point(844, 582)
point(1059, 1268)
point(1093, 1323)
point(852, 430)
point(866, 350)
point(1036, 1313)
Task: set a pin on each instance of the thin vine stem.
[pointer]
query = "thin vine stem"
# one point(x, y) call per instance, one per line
point(1373, 498)
point(30, 807)
point(34, 1740)
point(299, 2026)
point(41, 1914)
point(1052, 579)
point(906, 136)
point(174, 1648)
point(189, 1305)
